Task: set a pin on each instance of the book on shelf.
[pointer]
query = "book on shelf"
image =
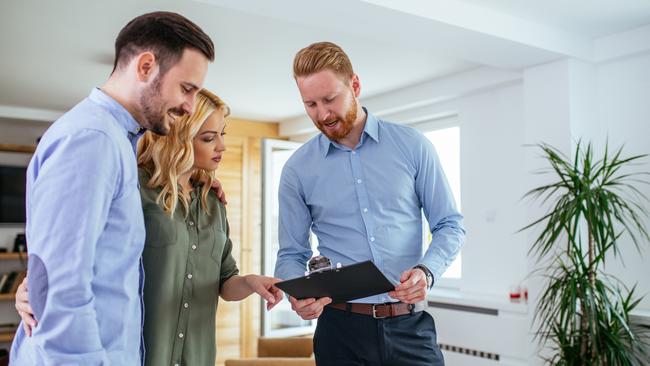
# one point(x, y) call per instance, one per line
point(3, 280)
point(6, 286)
point(8, 327)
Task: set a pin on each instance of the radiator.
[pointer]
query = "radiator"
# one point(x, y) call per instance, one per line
point(471, 335)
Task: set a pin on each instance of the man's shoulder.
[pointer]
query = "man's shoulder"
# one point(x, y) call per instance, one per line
point(403, 138)
point(398, 130)
point(86, 127)
point(85, 116)
point(307, 153)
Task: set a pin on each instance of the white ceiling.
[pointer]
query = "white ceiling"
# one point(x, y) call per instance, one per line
point(590, 18)
point(54, 52)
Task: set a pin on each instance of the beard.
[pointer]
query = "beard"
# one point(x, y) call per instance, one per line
point(155, 118)
point(345, 124)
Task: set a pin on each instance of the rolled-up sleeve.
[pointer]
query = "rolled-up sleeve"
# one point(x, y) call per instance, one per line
point(228, 262)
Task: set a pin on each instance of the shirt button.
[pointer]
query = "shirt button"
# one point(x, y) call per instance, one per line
point(365, 209)
point(181, 335)
point(354, 152)
point(372, 238)
point(193, 246)
point(191, 223)
point(186, 305)
point(189, 275)
point(359, 181)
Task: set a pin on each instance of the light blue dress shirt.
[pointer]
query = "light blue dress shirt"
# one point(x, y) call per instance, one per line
point(85, 234)
point(366, 203)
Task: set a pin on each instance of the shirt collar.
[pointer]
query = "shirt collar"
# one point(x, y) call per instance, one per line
point(123, 117)
point(370, 129)
point(372, 126)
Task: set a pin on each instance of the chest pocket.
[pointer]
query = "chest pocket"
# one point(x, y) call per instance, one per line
point(162, 231)
point(220, 239)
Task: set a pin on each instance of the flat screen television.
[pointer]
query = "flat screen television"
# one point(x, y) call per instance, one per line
point(12, 194)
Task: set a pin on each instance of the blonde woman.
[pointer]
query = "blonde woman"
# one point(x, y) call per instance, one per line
point(188, 253)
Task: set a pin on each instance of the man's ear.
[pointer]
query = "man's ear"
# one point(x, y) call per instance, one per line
point(145, 66)
point(356, 85)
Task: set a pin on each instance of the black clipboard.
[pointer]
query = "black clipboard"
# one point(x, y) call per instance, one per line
point(343, 284)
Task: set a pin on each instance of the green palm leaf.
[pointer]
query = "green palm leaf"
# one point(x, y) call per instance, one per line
point(583, 313)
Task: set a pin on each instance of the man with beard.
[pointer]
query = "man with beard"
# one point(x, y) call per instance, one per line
point(85, 223)
point(361, 186)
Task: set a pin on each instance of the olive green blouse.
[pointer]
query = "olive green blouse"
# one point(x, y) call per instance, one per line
point(187, 259)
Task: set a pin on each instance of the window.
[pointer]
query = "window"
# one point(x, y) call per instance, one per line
point(445, 136)
point(282, 321)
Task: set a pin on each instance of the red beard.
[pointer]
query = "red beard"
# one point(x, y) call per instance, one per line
point(344, 125)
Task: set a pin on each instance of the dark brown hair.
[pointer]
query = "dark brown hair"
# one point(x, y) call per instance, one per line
point(165, 34)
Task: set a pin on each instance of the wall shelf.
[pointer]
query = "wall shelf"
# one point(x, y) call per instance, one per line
point(6, 337)
point(17, 148)
point(13, 256)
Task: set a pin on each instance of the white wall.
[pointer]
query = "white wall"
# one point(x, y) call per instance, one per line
point(623, 94)
point(607, 101)
point(492, 168)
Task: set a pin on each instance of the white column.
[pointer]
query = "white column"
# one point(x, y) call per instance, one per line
point(559, 109)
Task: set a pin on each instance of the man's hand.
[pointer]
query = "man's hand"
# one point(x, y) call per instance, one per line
point(24, 310)
point(216, 187)
point(309, 309)
point(413, 287)
point(264, 286)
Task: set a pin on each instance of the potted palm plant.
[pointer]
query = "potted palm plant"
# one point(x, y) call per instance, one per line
point(583, 314)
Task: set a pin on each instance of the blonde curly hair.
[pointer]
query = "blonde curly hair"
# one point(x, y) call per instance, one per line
point(166, 158)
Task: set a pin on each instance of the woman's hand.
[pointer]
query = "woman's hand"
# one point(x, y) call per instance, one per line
point(265, 287)
point(218, 189)
point(24, 309)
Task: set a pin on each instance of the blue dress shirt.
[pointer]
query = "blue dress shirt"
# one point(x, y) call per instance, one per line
point(366, 203)
point(85, 234)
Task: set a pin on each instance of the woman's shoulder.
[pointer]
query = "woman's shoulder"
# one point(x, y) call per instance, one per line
point(216, 208)
point(213, 200)
point(143, 175)
point(147, 193)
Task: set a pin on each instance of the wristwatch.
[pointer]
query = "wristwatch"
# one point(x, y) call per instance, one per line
point(428, 274)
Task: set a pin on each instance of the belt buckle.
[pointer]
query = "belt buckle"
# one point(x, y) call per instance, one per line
point(374, 312)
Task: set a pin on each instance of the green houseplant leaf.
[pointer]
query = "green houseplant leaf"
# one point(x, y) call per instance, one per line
point(584, 313)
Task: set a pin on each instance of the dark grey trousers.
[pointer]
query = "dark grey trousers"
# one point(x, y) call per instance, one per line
point(346, 339)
